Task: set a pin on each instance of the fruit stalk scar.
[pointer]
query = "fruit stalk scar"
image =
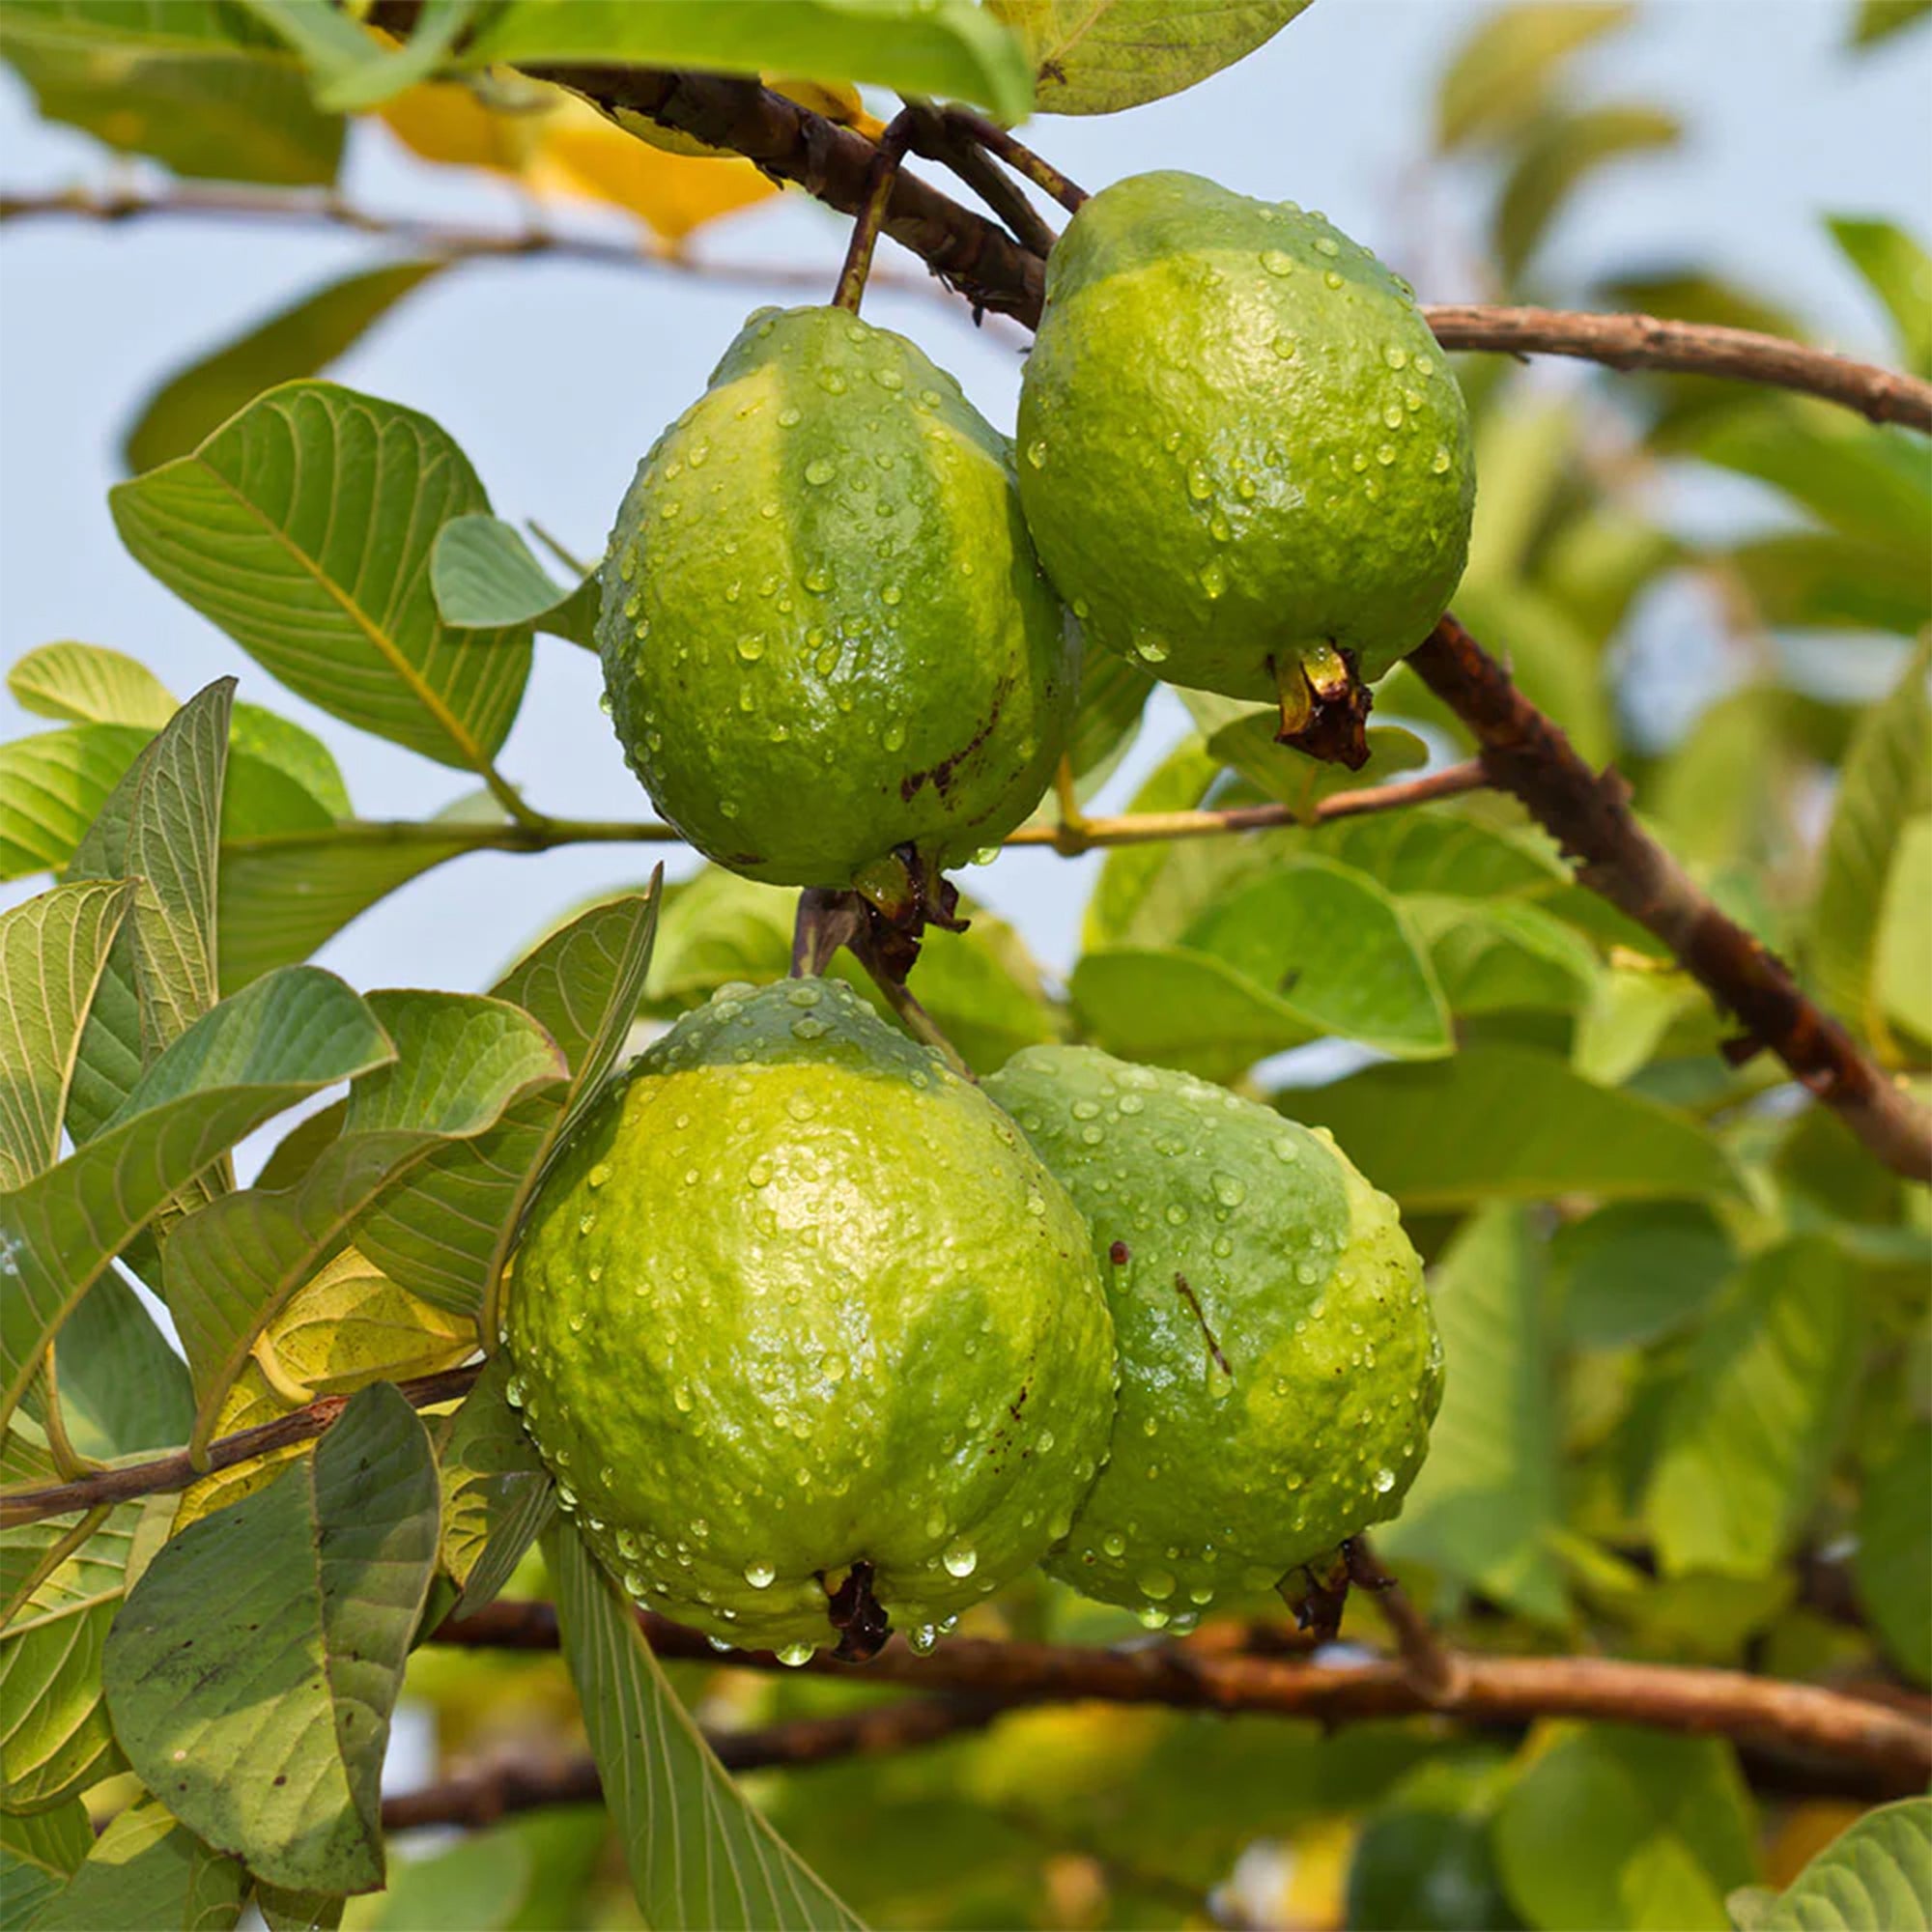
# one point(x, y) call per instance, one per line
point(1324, 706)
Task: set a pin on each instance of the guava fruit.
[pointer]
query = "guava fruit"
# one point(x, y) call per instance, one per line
point(1242, 452)
point(803, 1328)
point(825, 634)
point(1279, 1360)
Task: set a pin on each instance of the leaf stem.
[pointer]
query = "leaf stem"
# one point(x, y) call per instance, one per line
point(884, 177)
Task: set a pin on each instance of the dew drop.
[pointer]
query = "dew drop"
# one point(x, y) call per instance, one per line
point(760, 1576)
point(960, 1559)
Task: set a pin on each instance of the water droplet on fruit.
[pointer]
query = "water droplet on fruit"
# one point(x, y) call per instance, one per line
point(1277, 261)
point(796, 1654)
point(960, 1559)
point(819, 470)
point(1213, 580)
point(1036, 453)
point(1113, 1543)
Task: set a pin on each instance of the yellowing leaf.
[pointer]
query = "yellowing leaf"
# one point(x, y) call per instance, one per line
point(674, 193)
point(835, 101)
point(444, 121)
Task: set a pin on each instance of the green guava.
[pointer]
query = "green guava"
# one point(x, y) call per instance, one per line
point(824, 631)
point(794, 1299)
point(1241, 449)
point(1279, 1360)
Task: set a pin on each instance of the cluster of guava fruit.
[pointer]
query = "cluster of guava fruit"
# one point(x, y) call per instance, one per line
point(819, 1337)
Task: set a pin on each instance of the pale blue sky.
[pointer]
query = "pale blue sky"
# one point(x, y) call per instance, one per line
point(554, 377)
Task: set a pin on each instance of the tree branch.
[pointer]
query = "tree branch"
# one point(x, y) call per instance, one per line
point(1589, 815)
point(1894, 1746)
point(177, 1471)
point(480, 1797)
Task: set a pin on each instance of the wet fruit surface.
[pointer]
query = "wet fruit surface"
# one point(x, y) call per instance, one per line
point(825, 634)
point(1239, 444)
point(1279, 1362)
point(796, 1299)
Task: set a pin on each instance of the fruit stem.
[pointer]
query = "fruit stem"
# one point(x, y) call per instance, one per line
point(886, 158)
point(1070, 835)
point(1018, 157)
point(1324, 706)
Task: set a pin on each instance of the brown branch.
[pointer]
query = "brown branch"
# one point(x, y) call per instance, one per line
point(1018, 157)
point(1589, 814)
point(1691, 349)
point(1896, 1747)
point(857, 269)
point(479, 1798)
point(937, 140)
point(177, 1471)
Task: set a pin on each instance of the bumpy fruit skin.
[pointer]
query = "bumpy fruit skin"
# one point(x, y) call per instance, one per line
point(1279, 1361)
point(824, 629)
point(1238, 440)
point(796, 1297)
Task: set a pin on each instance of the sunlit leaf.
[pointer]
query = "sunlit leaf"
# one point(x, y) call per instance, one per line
point(302, 528)
point(701, 1855)
point(1899, 272)
point(675, 194)
point(253, 1669)
point(88, 684)
point(917, 46)
point(1098, 56)
point(1878, 1874)
point(146, 1872)
point(496, 1495)
point(52, 784)
point(1902, 956)
point(1879, 19)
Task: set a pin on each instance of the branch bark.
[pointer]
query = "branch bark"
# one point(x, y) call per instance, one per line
point(177, 1471)
point(1892, 1746)
point(480, 1797)
point(1589, 814)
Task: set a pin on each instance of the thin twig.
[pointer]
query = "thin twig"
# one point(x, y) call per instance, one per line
point(938, 140)
point(1018, 157)
point(479, 1798)
point(177, 1471)
point(1435, 1670)
point(1589, 814)
point(1895, 1747)
point(857, 264)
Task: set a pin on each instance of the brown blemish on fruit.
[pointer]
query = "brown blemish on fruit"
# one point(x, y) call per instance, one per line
point(1188, 1294)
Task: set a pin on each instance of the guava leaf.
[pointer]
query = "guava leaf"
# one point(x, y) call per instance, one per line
point(1637, 1270)
point(1175, 1007)
point(1563, 152)
point(1888, 1565)
point(1763, 1402)
point(122, 1388)
point(1509, 66)
point(1670, 1832)
point(230, 1269)
point(349, 69)
point(89, 684)
point(145, 1872)
point(284, 1038)
point(496, 1495)
point(1901, 982)
point(945, 47)
point(446, 1230)
point(52, 784)
point(1879, 1872)
point(53, 950)
point(1504, 955)
point(40, 1851)
point(1511, 1123)
point(301, 339)
point(1898, 271)
point(1099, 56)
point(1484, 1508)
point(485, 576)
point(302, 528)
point(700, 1854)
point(253, 1669)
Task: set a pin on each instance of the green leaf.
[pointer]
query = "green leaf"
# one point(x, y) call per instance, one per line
point(1113, 698)
point(302, 528)
point(699, 1854)
point(52, 952)
point(444, 1232)
point(524, 1875)
point(39, 1854)
point(352, 69)
point(1878, 1874)
point(189, 82)
point(1899, 272)
point(1414, 853)
point(240, 1065)
point(1762, 1403)
point(1815, 579)
point(1901, 981)
point(461, 1061)
point(1879, 19)
point(1177, 1008)
point(1129, 874)
point(1486, 1505)
point(1562, 152)
point(1669, 1832)
point(88, 684)
point(486, 578)
point(122, 1390)
point(1893, 1581)
point(1503, 955)
point(1506, 72)
point(1887, 779)
point(147, 1873)
point(1247, 743)
point(300, 340)
point(285, 890)
point(253, 1669)
point(1637, 1270)
point(1509, 1123)
point(1099, 56)
point(257, 736)
point(1337, 951)
point(949, 47)
point(496, 1495)
point(52, 784)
